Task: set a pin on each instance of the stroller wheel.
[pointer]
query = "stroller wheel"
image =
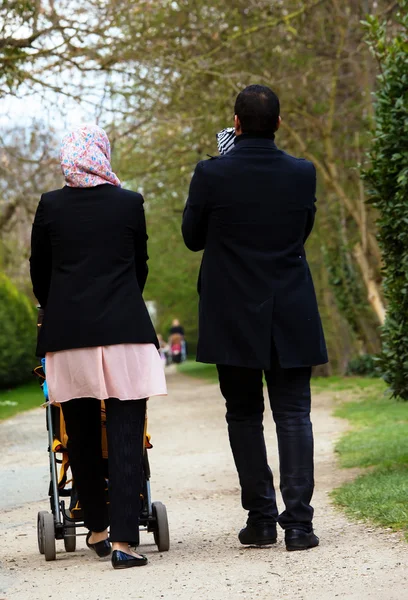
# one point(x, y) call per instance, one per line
point(40, 528)
point(46, 535)
point(161, 531)
point(70, 539)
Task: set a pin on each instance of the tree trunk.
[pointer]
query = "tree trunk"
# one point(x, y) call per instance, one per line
point(373, 290)
point(7, 214)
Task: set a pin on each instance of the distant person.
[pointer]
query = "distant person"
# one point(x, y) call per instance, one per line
point(89, 268)
point(176, 327)
point(251, 210)
point(163, 349)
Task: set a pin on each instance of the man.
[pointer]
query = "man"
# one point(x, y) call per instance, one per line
point(176, 327)
point(251, 211)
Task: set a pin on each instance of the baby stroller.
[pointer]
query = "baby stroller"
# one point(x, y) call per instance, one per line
point(66, 517)
point(176, 348)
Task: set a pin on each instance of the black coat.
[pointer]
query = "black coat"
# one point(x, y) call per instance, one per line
point(89, 266)
point(251, 211)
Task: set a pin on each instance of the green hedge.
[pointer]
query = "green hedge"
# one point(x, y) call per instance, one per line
point(387, 186)
point(364, 365)
point(17, 335)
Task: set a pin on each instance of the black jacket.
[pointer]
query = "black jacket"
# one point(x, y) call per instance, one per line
point(89, 266)
point(251, 211)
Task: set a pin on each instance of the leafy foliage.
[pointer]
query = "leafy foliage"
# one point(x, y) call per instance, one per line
point(346, 283)
point(387, 187)
point(75, 49)
point(364, 365)
point(162, 78)
point(322, 73)
point(28, 167)
point(17, 335)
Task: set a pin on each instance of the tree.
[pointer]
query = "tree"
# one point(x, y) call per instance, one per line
point(81, 50)
point(165, 75)
point(40, 39)
point(312, 54)
point(28, 167)
point(387, 188)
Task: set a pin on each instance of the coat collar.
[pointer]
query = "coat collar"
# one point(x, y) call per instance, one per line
point(248, 141)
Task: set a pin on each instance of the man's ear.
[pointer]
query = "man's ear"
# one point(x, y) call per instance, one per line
point(278, 124)
point(237, 125)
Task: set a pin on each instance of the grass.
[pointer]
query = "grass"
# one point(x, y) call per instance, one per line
point(335, 384)
point(199, 370)
point(379, 496)
point(349, 384)
point(377, 442)
point(20, 399)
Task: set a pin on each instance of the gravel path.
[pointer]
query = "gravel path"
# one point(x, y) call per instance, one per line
point(193, 474)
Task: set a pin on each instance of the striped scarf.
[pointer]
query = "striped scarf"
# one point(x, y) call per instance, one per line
point(225, 140)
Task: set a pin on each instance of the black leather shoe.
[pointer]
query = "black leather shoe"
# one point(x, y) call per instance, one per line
point(121, 560)
point(296, 539)
point(101, 548)
point(261, 534)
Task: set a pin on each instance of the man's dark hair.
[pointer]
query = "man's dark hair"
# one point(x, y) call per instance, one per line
point(258, 109)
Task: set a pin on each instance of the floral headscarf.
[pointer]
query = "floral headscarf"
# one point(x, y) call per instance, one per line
point(85, 158)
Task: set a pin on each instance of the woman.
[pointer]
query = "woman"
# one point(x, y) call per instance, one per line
point(89, 267)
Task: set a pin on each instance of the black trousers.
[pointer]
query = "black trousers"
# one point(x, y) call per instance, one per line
point(289, 394)
point(125, 421)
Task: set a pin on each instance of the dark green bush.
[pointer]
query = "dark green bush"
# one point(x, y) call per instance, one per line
point(387, 187)
point(365, 365)
point(17, 335)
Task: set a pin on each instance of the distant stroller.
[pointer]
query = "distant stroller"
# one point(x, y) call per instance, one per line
point(177, 343)
point(63, 521)
point(176, 348)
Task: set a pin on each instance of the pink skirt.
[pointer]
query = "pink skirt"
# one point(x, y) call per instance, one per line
point(123, 371)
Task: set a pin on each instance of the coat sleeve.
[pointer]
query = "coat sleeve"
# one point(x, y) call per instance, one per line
point(140, 245)
point(41, 256)
point(195, 216)
point(311, 213)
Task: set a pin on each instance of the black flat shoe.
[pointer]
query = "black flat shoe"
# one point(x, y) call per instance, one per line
point(121, 560)
point(261, 534)
point(101, 548)
point(296, 539)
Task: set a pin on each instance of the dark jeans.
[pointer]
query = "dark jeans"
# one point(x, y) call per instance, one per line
point(125, 421)
point(289, 394)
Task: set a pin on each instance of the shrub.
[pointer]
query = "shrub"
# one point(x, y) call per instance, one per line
point(364, 365)
point(17, 335)
point(387, 187)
